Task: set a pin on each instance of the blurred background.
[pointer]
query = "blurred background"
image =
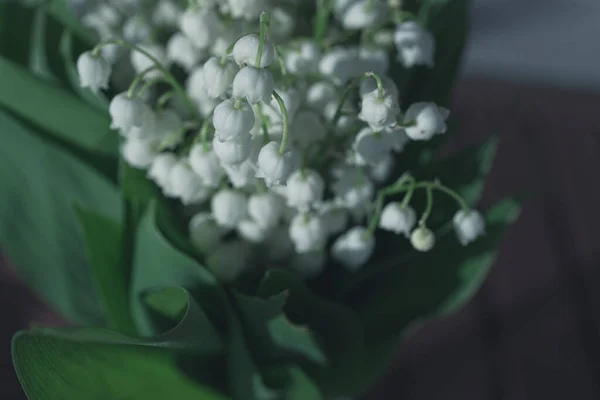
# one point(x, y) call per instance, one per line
point(532, 73)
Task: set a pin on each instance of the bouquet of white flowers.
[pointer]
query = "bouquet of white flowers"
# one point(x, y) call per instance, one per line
point(234, 199)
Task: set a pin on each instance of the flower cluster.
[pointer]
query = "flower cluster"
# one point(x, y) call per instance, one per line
point(283, 142)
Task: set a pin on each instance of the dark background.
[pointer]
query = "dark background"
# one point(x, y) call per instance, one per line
point(533, 331)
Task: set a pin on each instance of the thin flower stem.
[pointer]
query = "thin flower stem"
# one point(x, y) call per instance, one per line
point(264, 122)
point(164, 99)
point(396, 187)
point(148, 84)
point(438, 186)
point(139, 78)
point(353, 83)
point(265, 21)
point(380, 91)
point(204, 134)
point(322, 19)
point(284, 116)
point(428, 207)
point(166, 73)
point(409, 193)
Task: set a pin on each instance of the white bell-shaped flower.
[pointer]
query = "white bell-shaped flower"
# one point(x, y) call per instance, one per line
point(218, 75)
point(148, 127)
point(186, 185)
point(353, 189)
point(369, 87)
point(378, 112)
point(364, 14)
point(233, 151)
point(228, 208)
point(303, 59)
point(415, 45)
point(166, 13)
point(200, 25)
point(341, 6)
point(139, 152)
point(94, 71)
point(126, 112)
point(283, 24)
point(254, 84)
point(308, 232)
point(339, 65)
point(309, 265)
point(422, 239)
point(136, 30)
point(229, 259)
point(160, 169)
point(381, 171)
point(205, 163)
point(307, 129)
point(372, 146)
point(245, 51)
point(141, 62)
point(353, 248)
point(196, 89)
point(241, 175)
point(204, 233)
point(320, 94)
point(247, 9)
point(253, 232)
point(428, 119)
point(334, 217)
point(468, 225)
point(181, 51)
point(305, 189)
point(273, 167)
point(266, 208)
point(232, 118)
point(398, 138)
point(398, 219)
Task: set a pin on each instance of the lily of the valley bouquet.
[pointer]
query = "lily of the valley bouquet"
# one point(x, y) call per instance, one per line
point(234, 199)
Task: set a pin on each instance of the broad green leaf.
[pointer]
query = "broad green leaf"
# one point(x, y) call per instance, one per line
point(157, 264)
point(15, 32)
point(273, 334)
point(103, 238)
point(243, 373)
point(432, 284)
point(60, 11)
point(302, 387)
point(55, 110)
point(39, 231)
point(336, 327)
point(72, 363)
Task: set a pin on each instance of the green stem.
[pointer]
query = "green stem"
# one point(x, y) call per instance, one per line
point(264, 123)
point(166, 73)
point(164, 99)
point(428, 207)
point(137, 80)
point(204, 134)
point(265, 21)
point(148, 84)
point(438, 186)
point(409, 193)
point(395, 188)
point(284, 116)
point(322, 19)
point(380, 91)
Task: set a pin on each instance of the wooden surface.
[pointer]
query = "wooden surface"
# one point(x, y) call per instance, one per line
point(533, 330)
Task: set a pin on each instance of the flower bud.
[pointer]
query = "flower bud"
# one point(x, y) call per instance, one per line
point(228, 208)
point(371, 146)
point(305, 189)
point(200, 25)
point(468, 225)
point(139, 152)
point(186, 185)
point(232, 118)
point(94, 71)
point(266, 208)
point(247, 9)
point(246, 49)
point(273, 167)
point(398, 219)
point(304, 60)
point(364, 14)
point(353, 248)
point(136, 30)
point(255, 84)
point(218, 76)
point(320, 94)
point(428, 119)
point(161, 167)
point(422, 239)
point(233, 151)
point(252, 231)
point(241, 175)
point(206, 165)
point(334, 217)
point(308, 233)
point(415, 46)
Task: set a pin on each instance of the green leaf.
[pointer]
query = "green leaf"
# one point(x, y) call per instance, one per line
point(302, 388)
point(39, 231)
point(433, 284)
point(60, 11)
point(104, 246)
point(157, 264)
point(55, 110)
point(72, 363)
point(244, 377)
point(38, 60)
point(336, 327)
point(273, 333)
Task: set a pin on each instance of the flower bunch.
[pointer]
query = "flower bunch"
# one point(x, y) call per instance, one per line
point(284, 143)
